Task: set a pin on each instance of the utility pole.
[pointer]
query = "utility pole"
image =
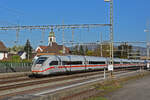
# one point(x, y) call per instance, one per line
point(28, 53)
point(101, 45)
point(148, 43)
point(72, 36)
point(111, 32)
point(43, 34)
point(111, 35)
point(63, 38)
point(17, 36)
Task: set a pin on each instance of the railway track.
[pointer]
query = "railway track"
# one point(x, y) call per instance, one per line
point(26, 78)
point(7, 76)
point(25, 85)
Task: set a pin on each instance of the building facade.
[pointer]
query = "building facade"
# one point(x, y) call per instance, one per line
point(3, 51)
point(53, 48)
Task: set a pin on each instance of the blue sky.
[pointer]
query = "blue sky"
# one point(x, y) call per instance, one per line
point(130, 18)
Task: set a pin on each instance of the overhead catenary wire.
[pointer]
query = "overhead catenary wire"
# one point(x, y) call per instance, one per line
point(54, 26)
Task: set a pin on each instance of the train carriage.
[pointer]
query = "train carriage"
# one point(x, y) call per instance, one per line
point(72, 63)
point(49, 64)
point(94, 63)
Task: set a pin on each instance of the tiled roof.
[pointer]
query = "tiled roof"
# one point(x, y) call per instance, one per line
point(3, 47)
point(43, 47)
point(55, 48)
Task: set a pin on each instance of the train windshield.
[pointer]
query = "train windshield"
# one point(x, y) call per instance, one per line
point(41, 60)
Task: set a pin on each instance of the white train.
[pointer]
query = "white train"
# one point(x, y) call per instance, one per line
point(50, 64)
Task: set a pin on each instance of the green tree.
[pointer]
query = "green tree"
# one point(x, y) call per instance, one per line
point(124, 51)
point(75, 50)
point(90, 53)
point(106, 50)
point(136, 54)
point(16, 58)
point(86, 50)
point(28, 49)
point(16, 48)
point(97, 51)
point(81, 50)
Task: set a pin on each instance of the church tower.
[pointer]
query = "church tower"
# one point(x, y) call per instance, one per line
point(51, 37)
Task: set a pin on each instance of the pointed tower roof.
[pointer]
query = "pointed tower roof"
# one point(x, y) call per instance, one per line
point(51, 33)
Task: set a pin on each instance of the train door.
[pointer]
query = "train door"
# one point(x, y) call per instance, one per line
point(65, 62)
point(54, 64)
point(59, 64)
point(85, 63)
point(69, 64)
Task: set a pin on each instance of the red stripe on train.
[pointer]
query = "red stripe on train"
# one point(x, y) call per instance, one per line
point(52, 67)
point(44, 70)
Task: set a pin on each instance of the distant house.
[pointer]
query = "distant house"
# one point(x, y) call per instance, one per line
point(40, 49)
point(22, 54)
point(53, 49)
point(3, 51)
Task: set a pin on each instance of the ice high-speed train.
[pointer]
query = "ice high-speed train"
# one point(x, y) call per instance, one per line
point(50, 64)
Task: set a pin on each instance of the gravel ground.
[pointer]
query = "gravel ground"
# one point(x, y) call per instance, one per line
point(133, 90)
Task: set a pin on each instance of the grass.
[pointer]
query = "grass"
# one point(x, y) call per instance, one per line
point(109, 86)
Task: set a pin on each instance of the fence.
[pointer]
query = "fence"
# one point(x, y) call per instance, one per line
point(14, 67)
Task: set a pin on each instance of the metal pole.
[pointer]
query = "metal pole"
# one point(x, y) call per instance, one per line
point(63, 38)
point(147, 44)
point(104, 73)
point(111, 33)
point(101, 46)
point(72, 36)
point(111, 28)
point(28, 52)
point(43, 33)
point(17, 36)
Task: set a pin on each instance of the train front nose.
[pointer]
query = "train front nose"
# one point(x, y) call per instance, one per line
point(38, 65)
point(37, 69)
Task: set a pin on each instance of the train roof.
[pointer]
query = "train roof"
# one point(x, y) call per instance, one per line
point(88, 58)
point(54, 57)
point(71, 57)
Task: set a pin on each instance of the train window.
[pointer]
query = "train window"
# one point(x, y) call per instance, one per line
point(72, 62)
point(41, 60)
point(65, 62)
point(116, 62)
point(96, 62)
point(75, 62)
point(125, 62)
point(53, 63)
